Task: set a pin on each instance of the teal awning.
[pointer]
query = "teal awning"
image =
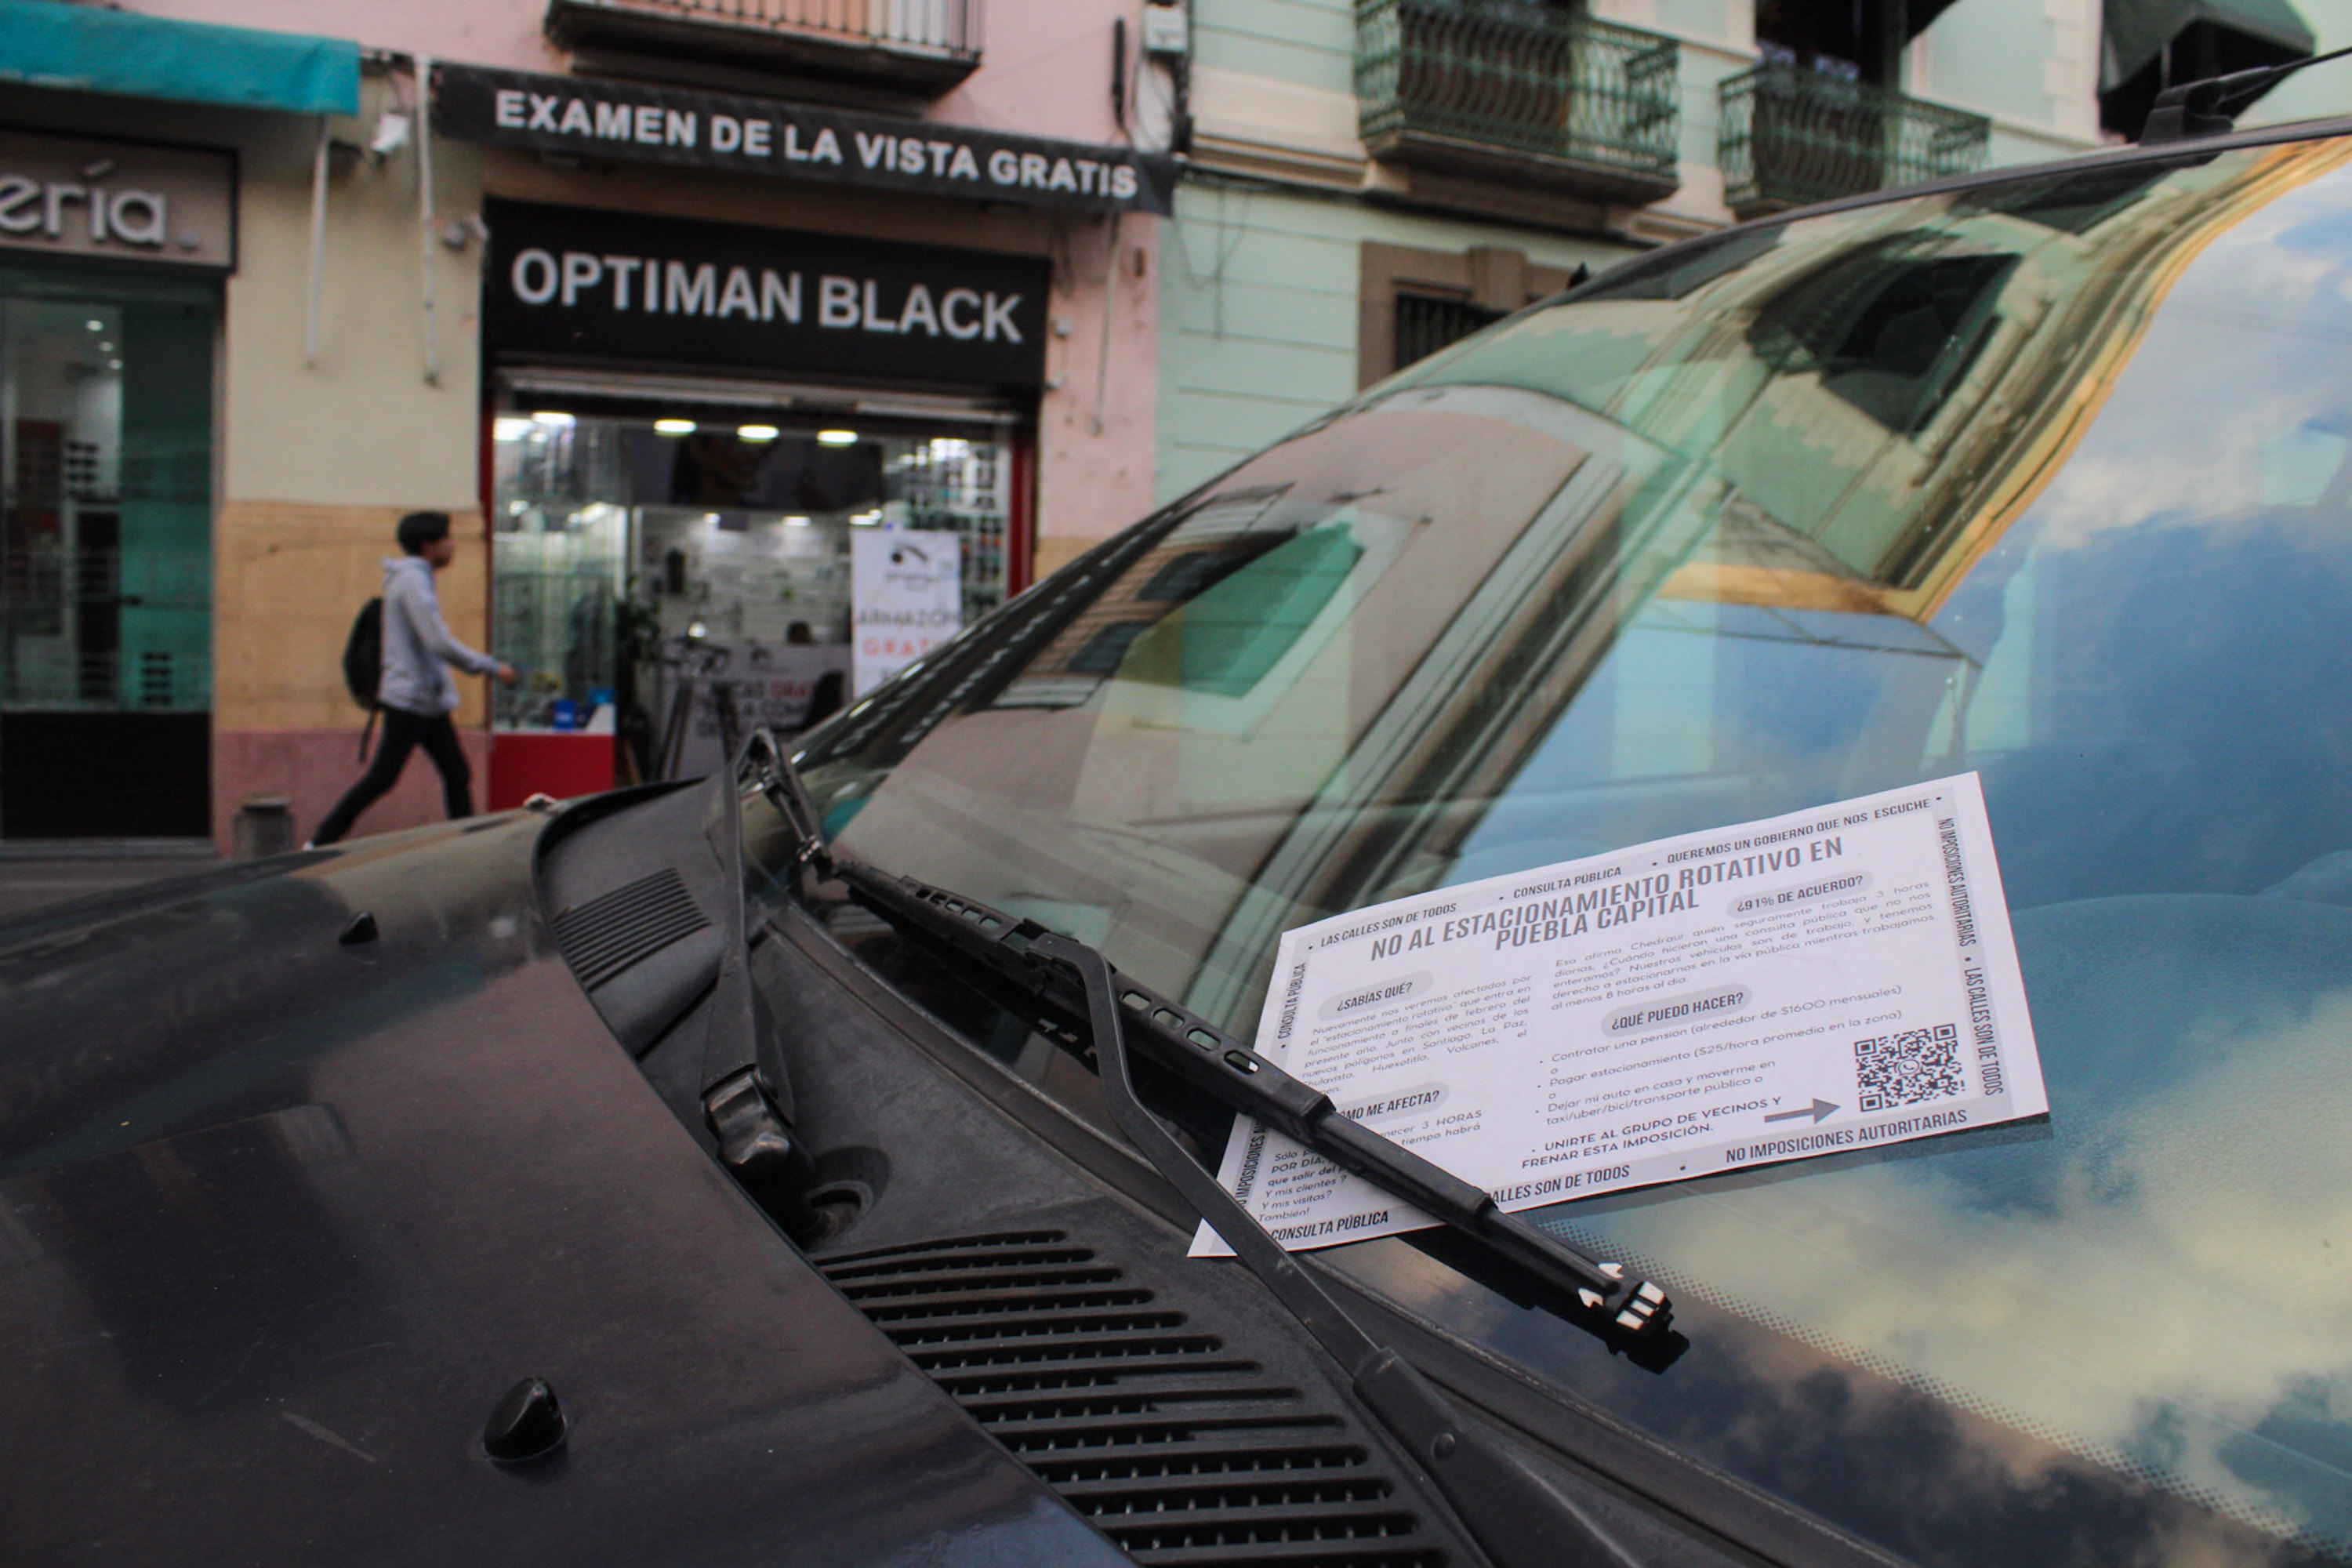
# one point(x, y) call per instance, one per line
point(2138, 30)
point(81, 48)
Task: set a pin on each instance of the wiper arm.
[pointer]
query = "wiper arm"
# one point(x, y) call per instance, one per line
point(1614, 1304)
point(747, 1089)
point(1521, 1520)
point(781, 782)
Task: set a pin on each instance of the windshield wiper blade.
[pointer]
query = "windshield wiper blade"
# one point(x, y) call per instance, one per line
point(1518, 1517)
point(1614, 1302)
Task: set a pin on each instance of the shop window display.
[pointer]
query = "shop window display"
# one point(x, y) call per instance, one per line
point(678, 581)
point(106, 432)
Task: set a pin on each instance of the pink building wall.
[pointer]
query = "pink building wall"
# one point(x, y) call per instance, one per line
point(1045, 70)
point(312, 768)
point(1045, 67)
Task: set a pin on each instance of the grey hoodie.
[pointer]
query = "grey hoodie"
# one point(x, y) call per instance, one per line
point(417, 648)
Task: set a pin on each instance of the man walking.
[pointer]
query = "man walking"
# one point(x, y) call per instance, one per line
point(416, 691)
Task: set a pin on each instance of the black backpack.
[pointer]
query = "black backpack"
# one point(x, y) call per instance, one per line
point(363, 664)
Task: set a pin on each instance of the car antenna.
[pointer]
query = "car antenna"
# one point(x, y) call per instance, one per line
point(2207, 106)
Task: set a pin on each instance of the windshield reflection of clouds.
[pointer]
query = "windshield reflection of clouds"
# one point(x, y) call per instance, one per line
point(2153, 1286)
point(2152, 1289)
point(2220, 396)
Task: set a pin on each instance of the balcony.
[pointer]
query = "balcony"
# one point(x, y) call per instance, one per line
point(921, 48)
point(1520, 95)
point(1792, 136)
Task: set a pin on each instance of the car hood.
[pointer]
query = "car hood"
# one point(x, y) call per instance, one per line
point(282, 1216)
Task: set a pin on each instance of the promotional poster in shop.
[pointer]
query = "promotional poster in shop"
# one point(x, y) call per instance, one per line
point(907, 597)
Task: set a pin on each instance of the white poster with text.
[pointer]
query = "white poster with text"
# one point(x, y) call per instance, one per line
point(905, 589)
point(1838, 978)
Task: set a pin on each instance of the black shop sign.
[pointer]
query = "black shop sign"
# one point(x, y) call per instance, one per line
point(621, 121)
point(582, 284)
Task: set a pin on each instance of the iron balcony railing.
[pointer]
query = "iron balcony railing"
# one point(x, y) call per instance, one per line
point(1508, 89)
point(1791, 136)
point(919, 43)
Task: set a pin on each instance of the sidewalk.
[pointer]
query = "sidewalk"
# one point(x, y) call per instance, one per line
point(33, 875)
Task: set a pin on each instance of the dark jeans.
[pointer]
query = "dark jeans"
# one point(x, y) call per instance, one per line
point(402, 734)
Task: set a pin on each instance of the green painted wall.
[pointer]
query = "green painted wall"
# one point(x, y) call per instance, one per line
point(1311, 42)
point(1986, 55)
point(1259, 309)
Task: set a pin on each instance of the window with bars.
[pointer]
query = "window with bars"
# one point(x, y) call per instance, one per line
point(1425, 324)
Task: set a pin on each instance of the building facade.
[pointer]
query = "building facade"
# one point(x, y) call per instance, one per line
point(1370, 179)
point(750, 348)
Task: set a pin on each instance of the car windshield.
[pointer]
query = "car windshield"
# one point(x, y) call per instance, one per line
point(2043, 479)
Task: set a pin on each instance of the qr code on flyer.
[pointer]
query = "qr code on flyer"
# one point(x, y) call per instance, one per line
point(1908, 1067)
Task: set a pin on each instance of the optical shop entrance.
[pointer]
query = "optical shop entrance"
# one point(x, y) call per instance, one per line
point(109, 313)
point(680, 555)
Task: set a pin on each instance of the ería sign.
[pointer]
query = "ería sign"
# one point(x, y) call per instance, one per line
point(765, 136)
point(619, 286)
point(67, 195)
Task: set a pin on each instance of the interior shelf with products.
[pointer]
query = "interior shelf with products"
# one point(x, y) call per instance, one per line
point(675, 581)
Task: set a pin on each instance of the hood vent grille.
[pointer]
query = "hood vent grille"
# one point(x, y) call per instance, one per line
point(613, 931)
point(1177, 1449)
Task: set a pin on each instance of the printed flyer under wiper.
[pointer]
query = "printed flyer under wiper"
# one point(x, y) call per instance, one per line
point(1834, 979)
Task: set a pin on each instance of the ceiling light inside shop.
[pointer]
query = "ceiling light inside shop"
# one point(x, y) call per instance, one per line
point(758, 432)
point(865, 519)
point(106, 348)
point(674, 426)
point(98, 326)
point(696, 629)
point(836, 437)
point(796, 523)
point(711, 520)
point(555, 420)
point(511, 430)
point(114, 364)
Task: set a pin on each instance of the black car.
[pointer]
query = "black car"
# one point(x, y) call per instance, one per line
point(759, 1170)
